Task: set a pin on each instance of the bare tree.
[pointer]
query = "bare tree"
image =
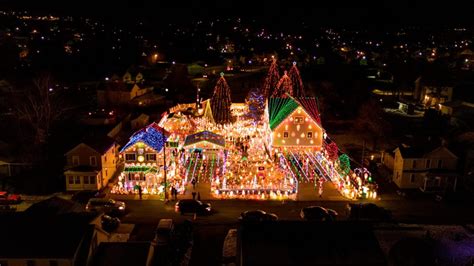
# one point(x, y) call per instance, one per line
point(371, 122)
point(39, 107)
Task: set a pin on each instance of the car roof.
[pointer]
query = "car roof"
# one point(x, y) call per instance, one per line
point(99, 200)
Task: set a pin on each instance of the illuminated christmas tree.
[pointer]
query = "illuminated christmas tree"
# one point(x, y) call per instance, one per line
point(256, 103)
point(271, 80)
point(283, 87)
point(296, 81)
point(220, 102)
point(344, 164)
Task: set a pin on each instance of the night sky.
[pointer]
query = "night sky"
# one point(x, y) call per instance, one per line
point(342, 12)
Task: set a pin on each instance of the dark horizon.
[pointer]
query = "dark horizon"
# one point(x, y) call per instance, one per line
point(343, 13)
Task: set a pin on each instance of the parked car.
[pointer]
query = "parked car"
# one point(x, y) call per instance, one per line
point(257, 216)
point(108, 206)
point(229, 249)
point(6, 198)
point(369, 211)
point(85, 195)
point(109, 223)
point(318, 213)
point(164, 232)
point(192, 206)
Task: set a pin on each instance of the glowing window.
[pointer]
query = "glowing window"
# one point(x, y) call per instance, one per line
point(299, 120)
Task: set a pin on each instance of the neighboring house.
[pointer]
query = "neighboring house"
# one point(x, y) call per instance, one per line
point(91, 164)
point(132, 77)
point(431, 93)
point(140, 121)
point(57, 236)
point(295, 122)
point(427, 168)
point(267, 244)
point(9, 165)
point(124, 254)
point(120, 93)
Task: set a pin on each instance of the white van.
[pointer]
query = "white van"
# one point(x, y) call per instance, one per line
point(164, 231)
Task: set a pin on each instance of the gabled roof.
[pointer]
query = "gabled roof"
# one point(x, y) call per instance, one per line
point(423, 151)
point(205, 136)
point(281, 108)
point(152, 136)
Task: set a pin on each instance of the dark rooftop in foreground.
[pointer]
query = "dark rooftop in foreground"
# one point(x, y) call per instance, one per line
point(308, 243)
point(122, 254)
point(33, 236)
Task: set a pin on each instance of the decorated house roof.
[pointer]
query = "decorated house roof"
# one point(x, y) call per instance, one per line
point(205, 136)
point(152, 136)
point(281, 108)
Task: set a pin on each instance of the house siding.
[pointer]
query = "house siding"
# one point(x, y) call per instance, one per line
point(294, 133)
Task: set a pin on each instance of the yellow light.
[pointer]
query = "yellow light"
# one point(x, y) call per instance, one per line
point(279, 135)
point(302, 135)
point(297, 141)
point(298, 127)
point(310, 127)
point(141, 158)
point(312, 142)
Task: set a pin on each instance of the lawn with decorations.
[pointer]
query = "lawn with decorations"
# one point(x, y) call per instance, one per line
point(261, 149)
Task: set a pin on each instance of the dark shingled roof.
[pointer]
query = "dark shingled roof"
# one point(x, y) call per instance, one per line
point(100, 143)
point(309, 243)
point(122, 254)
point(54, 206)
point(417, 151)
point(34, 236)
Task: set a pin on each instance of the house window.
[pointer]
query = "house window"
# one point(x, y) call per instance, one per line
point(53, 263)
point(70, 179)
point(130, 157)
point(299, 120)
point(310, 135)
point(414, 164)
point(412, 178)
point(440, 163)
point(428, 163)
point(92, 180)
point(285, 135)
point(75, 160)
point(30, 263)
point(77, 180)
point(151, 157)
point(86, 180)
point(93, 160)
point(105, 158)
point(106, 172)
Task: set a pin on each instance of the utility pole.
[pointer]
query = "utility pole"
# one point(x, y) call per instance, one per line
point(164, 162)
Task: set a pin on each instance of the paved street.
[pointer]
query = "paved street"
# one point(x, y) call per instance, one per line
point(210, 230)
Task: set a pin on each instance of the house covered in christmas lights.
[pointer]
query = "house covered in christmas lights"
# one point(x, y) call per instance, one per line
point(205, 141)
point(294, 122)
point(143, 156)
